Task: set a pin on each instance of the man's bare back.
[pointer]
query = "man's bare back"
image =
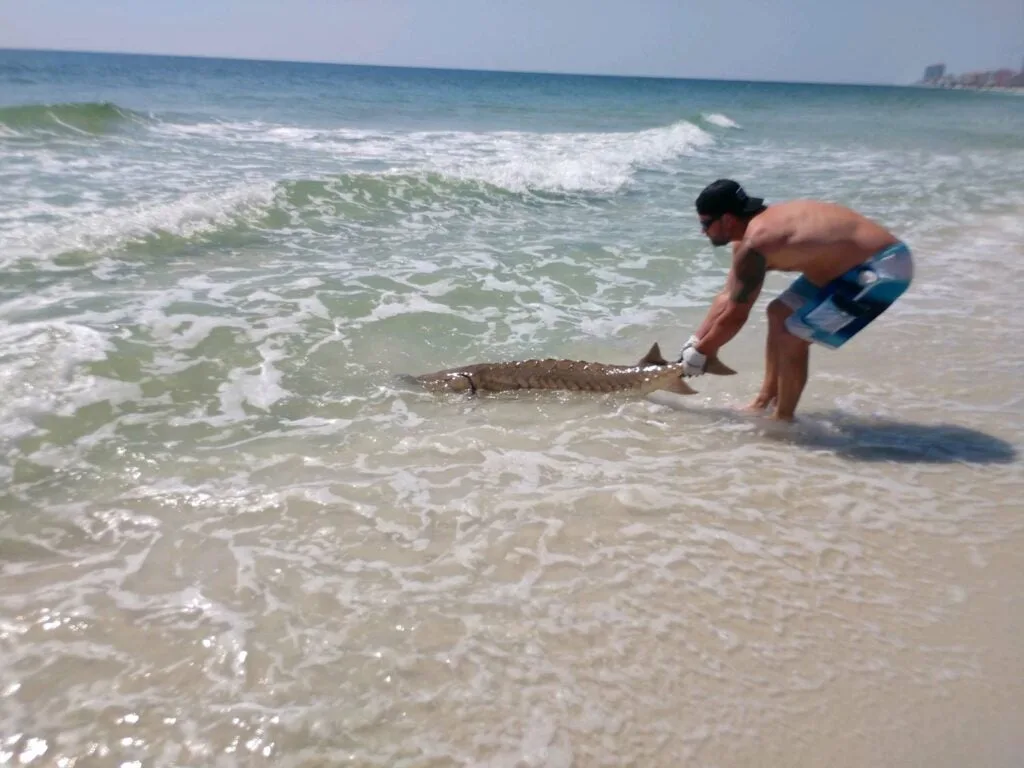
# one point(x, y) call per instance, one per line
point(820, 240)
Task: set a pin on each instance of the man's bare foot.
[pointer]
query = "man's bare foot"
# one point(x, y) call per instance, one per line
point(757, 406)
point(776, 417)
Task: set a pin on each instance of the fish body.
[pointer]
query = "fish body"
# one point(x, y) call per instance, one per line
point(652, 372)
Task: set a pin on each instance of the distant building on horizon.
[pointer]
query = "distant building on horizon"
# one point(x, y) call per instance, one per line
point(933, 73)
point(1001, 77)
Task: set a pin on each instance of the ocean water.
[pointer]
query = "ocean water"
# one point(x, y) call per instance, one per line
point(231, 534)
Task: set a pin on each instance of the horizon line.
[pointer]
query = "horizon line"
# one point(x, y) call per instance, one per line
point(324, 62)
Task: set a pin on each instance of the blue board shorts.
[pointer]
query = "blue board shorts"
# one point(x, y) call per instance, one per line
point(834, 313)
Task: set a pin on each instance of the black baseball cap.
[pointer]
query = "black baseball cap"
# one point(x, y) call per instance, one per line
point(726, 196)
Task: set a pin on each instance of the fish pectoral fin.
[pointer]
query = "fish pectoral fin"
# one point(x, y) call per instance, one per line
point(718, 368)
point(678, 386)
point(653, 356)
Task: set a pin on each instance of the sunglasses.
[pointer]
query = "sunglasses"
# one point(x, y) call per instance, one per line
point(705, 224)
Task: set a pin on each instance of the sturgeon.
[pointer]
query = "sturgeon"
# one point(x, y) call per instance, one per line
point(653, 372)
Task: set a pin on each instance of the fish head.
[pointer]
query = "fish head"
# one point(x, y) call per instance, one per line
point(454, 380)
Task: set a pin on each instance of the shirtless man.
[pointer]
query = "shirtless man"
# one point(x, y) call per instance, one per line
point(851, 269)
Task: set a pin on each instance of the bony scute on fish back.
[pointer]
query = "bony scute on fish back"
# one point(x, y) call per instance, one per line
point(653, 372)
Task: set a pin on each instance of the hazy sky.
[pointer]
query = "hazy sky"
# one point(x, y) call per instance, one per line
point(868, 41)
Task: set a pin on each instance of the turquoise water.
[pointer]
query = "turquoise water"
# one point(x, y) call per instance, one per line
point(228, 528)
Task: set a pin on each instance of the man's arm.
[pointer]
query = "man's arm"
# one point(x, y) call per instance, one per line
point(730, 310)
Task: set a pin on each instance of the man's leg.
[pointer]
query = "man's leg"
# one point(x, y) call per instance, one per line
point(777, 314)
point(793, 355)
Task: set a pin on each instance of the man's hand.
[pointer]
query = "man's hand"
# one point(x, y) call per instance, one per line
point(690, 342)
point(693, 361)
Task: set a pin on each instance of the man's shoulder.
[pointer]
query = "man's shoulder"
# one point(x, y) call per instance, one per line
point(825, 209)
point(780, 221)
point(768, 230)
point(788, 207)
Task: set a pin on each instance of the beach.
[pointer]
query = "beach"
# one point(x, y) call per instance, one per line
point(231, 532)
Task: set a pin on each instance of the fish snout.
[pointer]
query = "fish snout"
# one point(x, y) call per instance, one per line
point(459, 382)
point(447, 381)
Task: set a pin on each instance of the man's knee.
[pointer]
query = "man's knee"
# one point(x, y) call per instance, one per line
point(778, 311)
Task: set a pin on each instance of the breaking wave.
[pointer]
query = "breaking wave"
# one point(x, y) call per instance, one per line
point(722, 121)
point(442, 175)
point(601, 163)
point(260, 209)
point(256, 209)
point(189, 217)
point(91, 118)
point(518, 161)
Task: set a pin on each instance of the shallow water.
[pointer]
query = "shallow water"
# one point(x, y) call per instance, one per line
point(230, 533)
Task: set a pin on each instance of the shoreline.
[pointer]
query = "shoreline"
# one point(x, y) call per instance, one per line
point(1015, 90)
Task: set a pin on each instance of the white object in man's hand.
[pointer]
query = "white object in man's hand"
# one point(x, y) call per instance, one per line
point(690, 342)
point(692, 360)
